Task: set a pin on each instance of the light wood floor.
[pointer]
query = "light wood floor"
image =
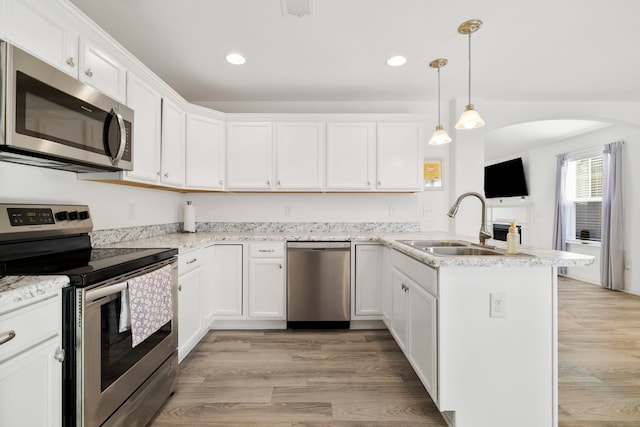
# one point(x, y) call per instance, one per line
point(361, 378)
point(599, 356)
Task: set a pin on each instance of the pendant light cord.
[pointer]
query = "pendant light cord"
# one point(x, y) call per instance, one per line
point(469, 103)
point(439, 96)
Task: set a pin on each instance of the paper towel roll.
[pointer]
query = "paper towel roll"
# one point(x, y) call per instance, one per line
point(189, 218)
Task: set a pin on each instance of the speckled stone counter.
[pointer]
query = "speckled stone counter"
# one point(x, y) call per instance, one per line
point(18, 291)
point(531, 257)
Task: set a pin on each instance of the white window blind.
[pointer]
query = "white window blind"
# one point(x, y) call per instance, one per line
point(584, 191)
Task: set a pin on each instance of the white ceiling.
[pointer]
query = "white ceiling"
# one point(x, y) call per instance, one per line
point(572, 50)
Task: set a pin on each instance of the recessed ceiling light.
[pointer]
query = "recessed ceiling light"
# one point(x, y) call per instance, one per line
point(396, 61)
point(235, 59)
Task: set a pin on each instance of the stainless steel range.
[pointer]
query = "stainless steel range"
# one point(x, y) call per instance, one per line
point(106, 379)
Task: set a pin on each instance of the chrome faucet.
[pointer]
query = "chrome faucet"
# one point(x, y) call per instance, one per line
point(484, 234)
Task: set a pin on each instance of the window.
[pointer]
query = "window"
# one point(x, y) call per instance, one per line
point(584, 195)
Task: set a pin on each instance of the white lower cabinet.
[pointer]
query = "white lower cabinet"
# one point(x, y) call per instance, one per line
point(30, 366)
point(368, 281)
point(190, 278)
point(227, 280)
point(267, 282)
point(414, 317)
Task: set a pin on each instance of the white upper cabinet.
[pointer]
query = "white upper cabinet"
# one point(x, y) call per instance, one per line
point(147, 106)
point(399, 156)
point(351, 157)
point(102, 71)
point(300, 156)
point(39, 28)
point(204, 153)
point(249, 154)
point(173, 144)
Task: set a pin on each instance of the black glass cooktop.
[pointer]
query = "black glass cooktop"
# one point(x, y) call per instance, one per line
point(84, 265)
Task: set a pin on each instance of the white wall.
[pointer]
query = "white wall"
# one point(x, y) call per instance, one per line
point(110, 204)
point(540, 166)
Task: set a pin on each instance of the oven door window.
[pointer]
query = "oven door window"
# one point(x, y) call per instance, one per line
point(116, 354)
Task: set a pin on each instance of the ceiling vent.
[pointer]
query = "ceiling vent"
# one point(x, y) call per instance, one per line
point(297, 7)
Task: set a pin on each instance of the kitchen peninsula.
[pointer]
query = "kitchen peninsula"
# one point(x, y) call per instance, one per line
point(481, 365)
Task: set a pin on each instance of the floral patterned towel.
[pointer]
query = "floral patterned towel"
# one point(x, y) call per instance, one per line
point(150, 303)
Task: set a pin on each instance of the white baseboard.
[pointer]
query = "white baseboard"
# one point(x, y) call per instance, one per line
point(248, 324)
point(367, 324)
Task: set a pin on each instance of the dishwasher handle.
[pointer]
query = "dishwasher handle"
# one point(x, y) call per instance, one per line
point(318, 245)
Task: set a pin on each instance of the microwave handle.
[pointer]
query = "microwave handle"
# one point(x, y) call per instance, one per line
point(123, 137)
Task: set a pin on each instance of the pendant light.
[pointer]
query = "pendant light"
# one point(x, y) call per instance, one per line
point(469, 119)
point(440, 136)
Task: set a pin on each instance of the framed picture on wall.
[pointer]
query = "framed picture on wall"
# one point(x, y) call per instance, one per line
point(432, 173)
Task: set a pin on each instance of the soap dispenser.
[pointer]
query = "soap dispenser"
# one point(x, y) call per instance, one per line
point(512, 239)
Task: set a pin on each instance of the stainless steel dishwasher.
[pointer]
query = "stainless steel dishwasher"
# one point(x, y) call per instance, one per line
point(318, 284)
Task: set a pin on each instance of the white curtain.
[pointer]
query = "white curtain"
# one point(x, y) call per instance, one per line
point(612, 245)
point(560, 217)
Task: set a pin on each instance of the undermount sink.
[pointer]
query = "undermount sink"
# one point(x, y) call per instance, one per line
point(422, 244)
point(465, 250)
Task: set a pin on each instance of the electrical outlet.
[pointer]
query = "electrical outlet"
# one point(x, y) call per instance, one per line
point(427, 211)
point(392, 211)
point(131, 211)
point(287, 210)
point(498, 304)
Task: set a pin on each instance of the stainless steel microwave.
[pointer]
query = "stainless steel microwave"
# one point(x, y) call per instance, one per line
point(50, 119)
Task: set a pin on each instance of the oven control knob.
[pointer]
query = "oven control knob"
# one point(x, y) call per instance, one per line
point(62, 216)
point(73, 215)
point(84, 214)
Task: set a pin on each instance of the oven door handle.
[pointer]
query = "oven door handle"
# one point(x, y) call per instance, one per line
point(96, 294)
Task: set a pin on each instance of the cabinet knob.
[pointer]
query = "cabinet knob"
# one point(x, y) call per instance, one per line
point(158, 173)
point(368, 183)
point(11, 335)
point(269, 183)
point(280, 266)
point(179, 287)
point(71, 62)
point(379, 183)
point(191, 261)
point(166, 175)
point(221, 182)
point(59, 355)
point(89, 72)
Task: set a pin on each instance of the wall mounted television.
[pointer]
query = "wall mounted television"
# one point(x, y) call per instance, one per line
point(505, 179)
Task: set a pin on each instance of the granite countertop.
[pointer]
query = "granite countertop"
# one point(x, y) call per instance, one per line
point(18, 291)
point(185, 242)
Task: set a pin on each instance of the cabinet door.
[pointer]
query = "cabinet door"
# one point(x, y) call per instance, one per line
point(399, 156)
point(204, 152)
point(147, 106)
point(188, 311)
point(31, 387)
point(422, 337)
point(300, 156)
point(37, 27)
point(227, 280)
point(399, 289)
point(267, 288)
point(173, 136)
point(368, 289)
point(102, 71)
point(249, 154)
point(351, 156)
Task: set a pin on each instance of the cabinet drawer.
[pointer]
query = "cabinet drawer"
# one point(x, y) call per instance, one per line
point(31, 325)
point(189, 261)
point(420, 273)
point(266, 250)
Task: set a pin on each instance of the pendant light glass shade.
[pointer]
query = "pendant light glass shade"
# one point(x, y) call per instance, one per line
point(469, 119)
point(440, 136)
